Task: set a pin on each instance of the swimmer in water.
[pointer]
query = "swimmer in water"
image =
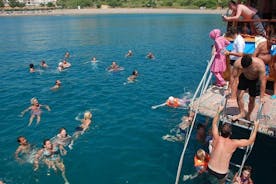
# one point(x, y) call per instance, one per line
point(57, 85)
point(174, 102)
point(43, 64)
point(113, 66)
point(181, 131)
point(150, 56)
point(133, 77)
point(129, 54)
point(35, 110)
point(49, 154)
point(62, 139)
point(86, 121)
point(23, 149)
point(32, 69)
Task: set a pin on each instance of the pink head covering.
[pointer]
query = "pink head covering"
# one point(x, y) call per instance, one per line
point(214, 34)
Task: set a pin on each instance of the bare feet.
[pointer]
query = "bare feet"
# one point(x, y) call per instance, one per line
point(239, 116)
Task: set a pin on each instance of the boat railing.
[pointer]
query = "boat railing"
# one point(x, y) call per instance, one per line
point(202, 87)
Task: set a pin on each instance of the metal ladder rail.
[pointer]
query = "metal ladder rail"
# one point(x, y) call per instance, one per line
point(201, 86)
point(250, 147)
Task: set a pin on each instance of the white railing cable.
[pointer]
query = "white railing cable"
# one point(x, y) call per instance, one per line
point(201, 86)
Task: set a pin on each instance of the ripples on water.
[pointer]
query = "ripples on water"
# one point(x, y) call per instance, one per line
point(124, 144)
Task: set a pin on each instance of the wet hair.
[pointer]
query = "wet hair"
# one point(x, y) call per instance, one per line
point(87, 115)
point(246, 61)
point(226, 130)
point(200, 154)
point(232, 2)
point(247, 168)
point(31, 65)
point(18, 138)
point(45, 140)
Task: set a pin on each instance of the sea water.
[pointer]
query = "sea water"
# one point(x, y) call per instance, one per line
point(124, 144)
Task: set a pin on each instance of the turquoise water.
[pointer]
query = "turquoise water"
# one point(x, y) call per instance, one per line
point(124, 144)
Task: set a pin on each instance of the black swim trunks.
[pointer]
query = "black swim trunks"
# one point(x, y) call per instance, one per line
point(253, 86)
point(217, 175)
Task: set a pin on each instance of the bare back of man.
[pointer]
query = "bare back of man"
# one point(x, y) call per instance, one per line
point(224, 147)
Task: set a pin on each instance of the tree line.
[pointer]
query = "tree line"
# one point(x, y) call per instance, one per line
point(128, 3)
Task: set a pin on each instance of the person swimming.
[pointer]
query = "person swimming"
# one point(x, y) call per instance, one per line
point(174, 102)
point(32, 68)
point(86, 121)
point(132, 77)
point(57, 85)
point(129, 54)
point(35, 110)
point(62, 139)
point(25, 151)
point(49, 154)
point(43, 64)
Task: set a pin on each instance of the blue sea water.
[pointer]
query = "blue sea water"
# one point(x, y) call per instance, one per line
point(124, 144)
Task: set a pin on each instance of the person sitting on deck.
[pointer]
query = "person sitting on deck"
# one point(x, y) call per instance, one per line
point(245, 177)
point(248, 13)
point(201, 160)
point(219, 63)
point(264, 52)
point(224, 147)
point(174, 102)
point(234, 54)
point(251, 73)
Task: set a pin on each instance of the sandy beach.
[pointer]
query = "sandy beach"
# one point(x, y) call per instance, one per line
point(88, 11)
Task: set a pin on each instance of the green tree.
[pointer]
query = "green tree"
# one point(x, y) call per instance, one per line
point(2, 4)
point(13, 3)
point(50, 4)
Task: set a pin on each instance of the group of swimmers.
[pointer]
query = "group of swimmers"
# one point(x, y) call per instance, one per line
point(52, 149)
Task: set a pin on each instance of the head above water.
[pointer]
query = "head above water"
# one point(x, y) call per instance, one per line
point(246, 61)
point(201, 154)
point(171, 98)
point(87, 115)
point(226, 130)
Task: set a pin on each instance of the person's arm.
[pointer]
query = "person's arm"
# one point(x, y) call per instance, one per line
point(247, 142)
point(262, 78)
point(36, 159)
point(234, 17)
point(46, 106)
point(25, 110)
point(18, 150)
point(215, 131)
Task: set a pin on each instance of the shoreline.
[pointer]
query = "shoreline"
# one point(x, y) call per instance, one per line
point(95, 11)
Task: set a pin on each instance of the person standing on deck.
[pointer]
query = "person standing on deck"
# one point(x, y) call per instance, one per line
point(236, 53)
point(251, 73)
point(248, 13)
point(219, 62)
point(224, 147)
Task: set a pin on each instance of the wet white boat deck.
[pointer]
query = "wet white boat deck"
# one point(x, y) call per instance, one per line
point(211, 99)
